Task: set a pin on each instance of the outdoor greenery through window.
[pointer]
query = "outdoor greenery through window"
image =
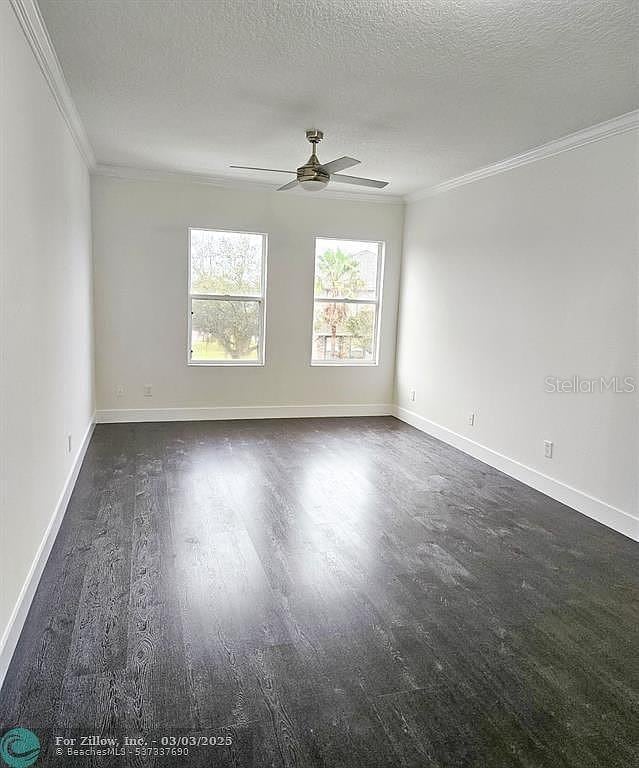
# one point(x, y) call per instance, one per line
point(226, 291)
point(348, 276)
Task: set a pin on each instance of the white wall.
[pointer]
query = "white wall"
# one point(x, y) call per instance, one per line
point(46, 337)
point(520, 276)
point(140, 251)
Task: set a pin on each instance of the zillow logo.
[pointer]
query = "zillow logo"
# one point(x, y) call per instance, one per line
point(19, 748)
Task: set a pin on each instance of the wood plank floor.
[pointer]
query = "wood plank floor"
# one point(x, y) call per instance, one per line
point(328, 592)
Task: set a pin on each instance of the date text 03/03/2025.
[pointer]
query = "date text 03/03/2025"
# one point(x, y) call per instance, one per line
point(163, 745)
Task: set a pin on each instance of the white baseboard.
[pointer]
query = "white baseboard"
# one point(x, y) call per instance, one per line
point(241, 412)
point(23, 603)
point(613, 517)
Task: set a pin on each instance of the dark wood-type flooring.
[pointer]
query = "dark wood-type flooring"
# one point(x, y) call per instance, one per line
point(327, 592)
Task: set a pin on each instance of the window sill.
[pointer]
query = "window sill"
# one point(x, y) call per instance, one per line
point(345, 364)
point(222, 364)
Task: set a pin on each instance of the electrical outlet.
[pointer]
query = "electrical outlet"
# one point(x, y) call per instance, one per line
point(69, 443)
point(148, 390)
point(411, 395)
point(471, 419)
point(548, 446)
point(119, 391)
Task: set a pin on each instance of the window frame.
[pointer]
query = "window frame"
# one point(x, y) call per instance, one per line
point(377, 303)
point(259, 298)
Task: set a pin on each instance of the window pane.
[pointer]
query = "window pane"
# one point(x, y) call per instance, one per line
point(226, 262)
point(345, 269)
point(225, 330)
point(343, 331)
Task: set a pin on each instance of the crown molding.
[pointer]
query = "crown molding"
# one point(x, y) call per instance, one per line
point(32, 23)
point(617, 125)
point(134, 173)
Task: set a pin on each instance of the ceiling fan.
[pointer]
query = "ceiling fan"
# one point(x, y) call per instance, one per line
point(314, 176)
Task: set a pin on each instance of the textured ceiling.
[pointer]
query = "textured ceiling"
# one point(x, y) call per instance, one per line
point(419, 90)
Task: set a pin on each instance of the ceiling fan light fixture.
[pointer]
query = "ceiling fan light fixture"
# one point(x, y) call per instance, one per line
point(313, 185)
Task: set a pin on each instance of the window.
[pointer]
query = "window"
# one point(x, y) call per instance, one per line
point(348, 276)
point(227, 273)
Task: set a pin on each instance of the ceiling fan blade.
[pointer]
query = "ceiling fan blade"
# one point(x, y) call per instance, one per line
point(341, 164)
point(251, 168)
point(290, 185)
point(357, 180)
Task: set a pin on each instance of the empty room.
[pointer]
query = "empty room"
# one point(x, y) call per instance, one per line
point(319, 367)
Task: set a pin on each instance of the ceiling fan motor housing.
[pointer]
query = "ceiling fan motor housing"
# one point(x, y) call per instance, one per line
point(312, 172)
